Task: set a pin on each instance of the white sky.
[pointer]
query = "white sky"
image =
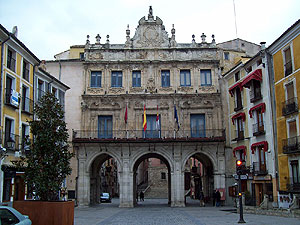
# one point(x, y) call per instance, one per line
point(48, 27)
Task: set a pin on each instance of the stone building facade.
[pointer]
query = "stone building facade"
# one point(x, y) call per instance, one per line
point(115, 87)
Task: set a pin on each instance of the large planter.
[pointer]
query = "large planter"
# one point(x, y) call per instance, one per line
point(47, 213)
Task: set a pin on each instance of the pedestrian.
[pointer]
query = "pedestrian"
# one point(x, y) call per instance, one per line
point(218, 198)
point(201, 197)
point(214, 198)
point(137, 196)
point(142, 196)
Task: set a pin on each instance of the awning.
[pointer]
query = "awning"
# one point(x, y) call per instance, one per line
point(257, 144)
point(237, 116)
point(255, 75)
point(238, 84)
point(242, 147)
point(261, 105)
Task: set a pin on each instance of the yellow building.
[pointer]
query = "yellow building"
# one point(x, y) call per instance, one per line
point(285, 60)
point(17, 80)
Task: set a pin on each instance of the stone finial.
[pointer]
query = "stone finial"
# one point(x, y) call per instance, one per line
point(128, 31)
point(150, 15)
point(87, 43)
point(107, 39)
point(193, 40)
point(172, 40)
point(98, 38)
point(203, 36)
point(213, 41)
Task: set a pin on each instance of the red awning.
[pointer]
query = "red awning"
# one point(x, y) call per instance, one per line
point(257, 144)
point(239, 115)
point(261, 105)
point(255, 75)
point(242, 147)
point(238, 84)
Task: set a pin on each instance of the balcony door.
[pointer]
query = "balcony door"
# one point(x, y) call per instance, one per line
point(105, 127)
point(198, 125)
point(292, 134)
point(152, 130)
point(262, 159)
point(295, 172)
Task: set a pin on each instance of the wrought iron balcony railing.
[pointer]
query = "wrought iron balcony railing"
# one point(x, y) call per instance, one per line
point(259, 168)
point(12, 97)
point(27, 105)
point(208, 134)
point(290, 106)
point(294, 184)
point(291, 145)
point(258, 128)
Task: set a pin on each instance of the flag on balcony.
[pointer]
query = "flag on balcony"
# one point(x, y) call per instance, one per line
point(145, 119)
point(157, 120)
point(125, 117)
point(176, 117)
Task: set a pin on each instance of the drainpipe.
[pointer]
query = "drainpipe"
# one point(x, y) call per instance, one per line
point(1, 74)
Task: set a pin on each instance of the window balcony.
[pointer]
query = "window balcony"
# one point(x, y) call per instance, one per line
point(140, 135)
point(255, 95)
point(258, 128)
point(12, 98)
point(27, 105)
point(291, 145)
point(239, 135)
point(259, 169)
point(290, 106)
point(294, 184)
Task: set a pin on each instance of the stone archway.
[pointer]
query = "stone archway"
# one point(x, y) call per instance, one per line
point(142, 159)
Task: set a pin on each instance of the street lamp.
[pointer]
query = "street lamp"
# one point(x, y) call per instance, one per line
point(10, 143)
point(240, 169)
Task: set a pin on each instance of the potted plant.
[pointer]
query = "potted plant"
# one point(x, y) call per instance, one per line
point(46, 165)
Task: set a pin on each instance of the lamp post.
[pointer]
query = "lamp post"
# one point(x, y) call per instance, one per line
point(240, 164)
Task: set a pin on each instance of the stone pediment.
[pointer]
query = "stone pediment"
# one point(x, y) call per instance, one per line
point(150, 33)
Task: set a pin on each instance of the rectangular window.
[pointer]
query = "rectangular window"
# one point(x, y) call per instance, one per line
point(198, 125)
point(205, 77)
point(9, 136)
point(116, 79)
point(165, 78)
point(240, 128)
point(290, 91)
point(226, 55)
point(295, 172)
point(240, 155)
point(96, 79)
point(258, 126)
point(61, 97)
point(11, 96)
point(185, 78)
point(262, 159)
point(11, 59)
point(255, 93)
point(25, 135)
point(152, 130)
point(249, 69)
point(288, 67)
point(54, 91)
point(237, 76)
point(136, 78)
point(40, 89)
point(105, 127)
point(25, 70)
point(25, 99)
point(238, 100)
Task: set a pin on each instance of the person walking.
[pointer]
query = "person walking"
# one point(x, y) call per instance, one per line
point(201, 197)
point(214, 198)
point(142, 196)
point(218, 198)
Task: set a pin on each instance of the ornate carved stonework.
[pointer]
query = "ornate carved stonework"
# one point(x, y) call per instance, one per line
point(95, 91)
point(151, 85)
point(95, 55)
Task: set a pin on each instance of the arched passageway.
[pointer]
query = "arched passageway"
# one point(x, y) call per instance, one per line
point(103, 178)
point(199, 179)
point(152, 178)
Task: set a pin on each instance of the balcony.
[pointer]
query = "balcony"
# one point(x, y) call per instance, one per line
point(255, 95)
point(12, 98)
point(239, 135)
point(258, 128)
point(150, 135)
point(27, 105)
point(290, 106)
point(291, 145)
point(259, 169)
point(294, 184)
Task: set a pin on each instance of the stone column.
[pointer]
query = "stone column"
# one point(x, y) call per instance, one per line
point(126, 186)
point(177, 182)
point(83, 185)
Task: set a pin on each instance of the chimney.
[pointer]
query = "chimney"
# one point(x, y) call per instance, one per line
point(15, 31)
point(263, 45)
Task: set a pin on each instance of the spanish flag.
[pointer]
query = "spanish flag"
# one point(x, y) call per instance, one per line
point(145, 119)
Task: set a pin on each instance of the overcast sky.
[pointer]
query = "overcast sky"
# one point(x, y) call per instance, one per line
point(48, 27)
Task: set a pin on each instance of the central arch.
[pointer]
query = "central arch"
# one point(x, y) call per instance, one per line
point(143, 158)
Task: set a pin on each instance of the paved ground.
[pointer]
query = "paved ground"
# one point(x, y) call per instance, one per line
point(157, 212)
